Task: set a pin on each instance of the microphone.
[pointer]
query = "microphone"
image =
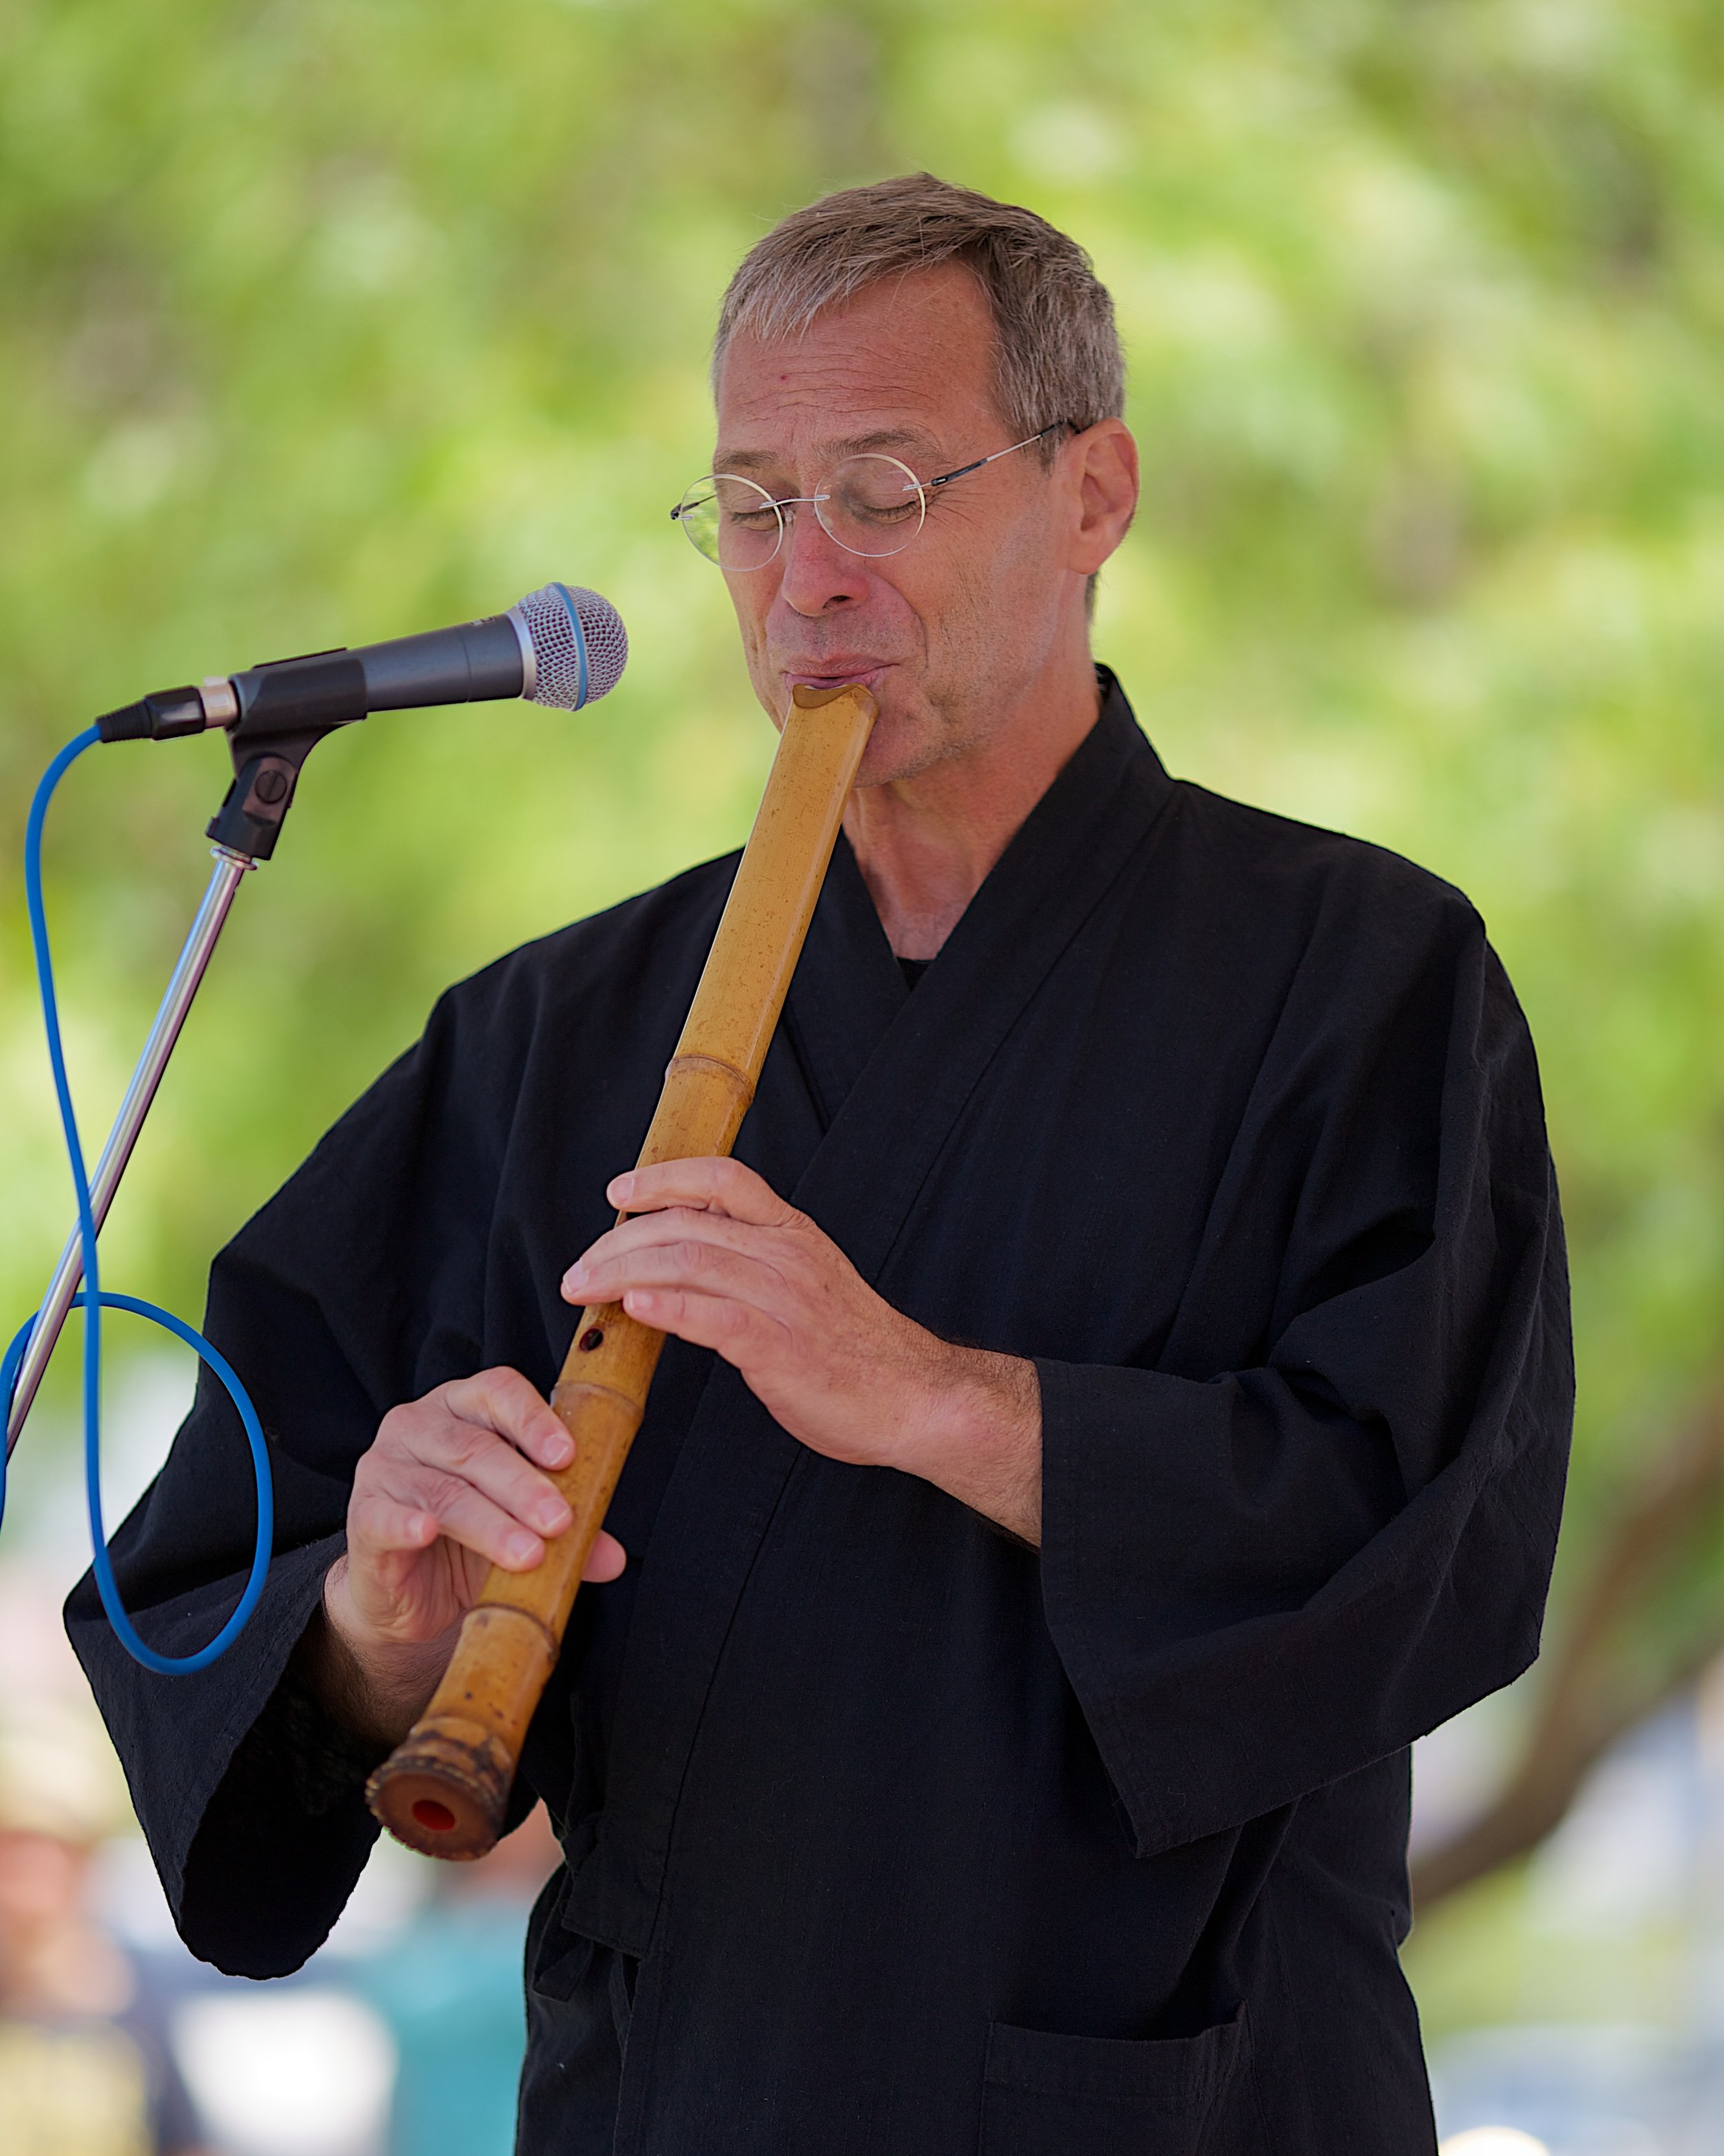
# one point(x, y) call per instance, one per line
point(561, 645)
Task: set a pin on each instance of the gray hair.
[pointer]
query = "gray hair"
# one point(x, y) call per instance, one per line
point(1056, 350)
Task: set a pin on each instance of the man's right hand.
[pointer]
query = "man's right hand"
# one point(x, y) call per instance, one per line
point(450, 1486)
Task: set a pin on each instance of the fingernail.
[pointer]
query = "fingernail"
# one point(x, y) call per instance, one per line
point(551, 1513)
point(621, 1189)
point(575, 1276)
point(521, 1548)
point(559, 1451)
point(637, 1302)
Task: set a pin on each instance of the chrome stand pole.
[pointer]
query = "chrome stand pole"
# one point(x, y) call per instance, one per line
point(188, 975)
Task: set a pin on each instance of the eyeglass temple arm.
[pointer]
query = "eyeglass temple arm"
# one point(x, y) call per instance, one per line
point(945, 479)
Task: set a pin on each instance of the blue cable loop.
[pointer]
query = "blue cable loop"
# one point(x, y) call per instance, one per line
point(94, 1300)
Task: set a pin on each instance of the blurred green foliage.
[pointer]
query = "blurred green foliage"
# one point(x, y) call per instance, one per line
point(326, 322)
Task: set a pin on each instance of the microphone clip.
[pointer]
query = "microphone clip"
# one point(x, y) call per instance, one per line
point(275, 716)
point(285, 709)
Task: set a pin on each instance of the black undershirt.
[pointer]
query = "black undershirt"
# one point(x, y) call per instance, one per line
point(913, 968)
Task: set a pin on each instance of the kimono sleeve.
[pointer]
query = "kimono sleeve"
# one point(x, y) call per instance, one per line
point(359, 1286)
point(1262, 1573)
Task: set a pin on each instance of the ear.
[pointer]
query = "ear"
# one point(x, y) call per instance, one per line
point(1102, 467)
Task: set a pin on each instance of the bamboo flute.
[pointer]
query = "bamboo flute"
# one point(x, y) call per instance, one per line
point(445, 1789)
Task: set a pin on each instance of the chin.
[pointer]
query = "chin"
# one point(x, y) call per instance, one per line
point(899, 748)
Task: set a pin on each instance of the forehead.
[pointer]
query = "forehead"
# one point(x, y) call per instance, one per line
point(911, 356)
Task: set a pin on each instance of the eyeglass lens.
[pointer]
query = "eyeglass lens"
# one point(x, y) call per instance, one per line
point(871, 505)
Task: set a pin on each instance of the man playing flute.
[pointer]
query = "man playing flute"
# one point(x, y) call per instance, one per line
point(1117, 1394)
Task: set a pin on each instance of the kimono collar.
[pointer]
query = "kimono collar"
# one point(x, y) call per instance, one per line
point(849, 989)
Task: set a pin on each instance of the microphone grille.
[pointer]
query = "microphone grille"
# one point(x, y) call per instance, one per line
point(580, 646)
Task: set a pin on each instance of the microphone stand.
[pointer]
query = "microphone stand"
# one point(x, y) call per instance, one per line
point(267, 760)
point(188, 977)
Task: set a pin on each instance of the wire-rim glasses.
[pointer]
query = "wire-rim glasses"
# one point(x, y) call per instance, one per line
point(869, 504)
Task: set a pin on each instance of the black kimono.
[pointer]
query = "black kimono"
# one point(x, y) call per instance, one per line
point(886, 1835)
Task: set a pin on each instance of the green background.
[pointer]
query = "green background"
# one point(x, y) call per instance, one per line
point(326, 322)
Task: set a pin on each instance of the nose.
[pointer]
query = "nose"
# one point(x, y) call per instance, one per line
point(817, 574)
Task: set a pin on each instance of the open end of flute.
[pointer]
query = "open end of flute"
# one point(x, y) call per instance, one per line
point(439, 1800)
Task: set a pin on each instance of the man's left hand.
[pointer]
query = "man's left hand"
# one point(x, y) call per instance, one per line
point(712, 1254)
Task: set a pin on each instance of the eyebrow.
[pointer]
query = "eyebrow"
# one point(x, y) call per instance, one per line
point(743, 461)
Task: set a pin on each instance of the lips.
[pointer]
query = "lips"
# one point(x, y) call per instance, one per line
point(830, 675)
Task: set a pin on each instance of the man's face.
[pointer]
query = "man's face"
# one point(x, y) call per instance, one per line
point(948, 631)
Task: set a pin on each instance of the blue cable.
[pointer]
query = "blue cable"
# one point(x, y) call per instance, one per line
point(94, 1300)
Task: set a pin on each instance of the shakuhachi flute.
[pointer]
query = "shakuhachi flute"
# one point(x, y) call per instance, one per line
point(445, 1789)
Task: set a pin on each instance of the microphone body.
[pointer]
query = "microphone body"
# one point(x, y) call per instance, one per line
point(470, 664)
point(561, 645)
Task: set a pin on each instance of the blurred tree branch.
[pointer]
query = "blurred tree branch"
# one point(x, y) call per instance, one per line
point(1593, 1693)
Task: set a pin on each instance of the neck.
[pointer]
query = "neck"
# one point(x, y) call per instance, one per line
point(925, 845)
